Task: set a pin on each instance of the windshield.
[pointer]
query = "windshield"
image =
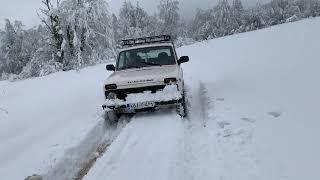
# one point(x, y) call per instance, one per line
point(144, 57)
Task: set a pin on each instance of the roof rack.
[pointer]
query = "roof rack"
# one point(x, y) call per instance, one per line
point(145, 40)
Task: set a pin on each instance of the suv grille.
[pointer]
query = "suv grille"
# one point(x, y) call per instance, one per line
point(122, 93)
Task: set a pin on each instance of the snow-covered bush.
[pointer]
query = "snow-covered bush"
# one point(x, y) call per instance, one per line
point(292, 18)
point(41, 64)
point(184, 41)
point(226, 18)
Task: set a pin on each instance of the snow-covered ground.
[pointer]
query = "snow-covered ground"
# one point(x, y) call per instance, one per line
point(253, 103)
point(42, 118)
point(264, 91)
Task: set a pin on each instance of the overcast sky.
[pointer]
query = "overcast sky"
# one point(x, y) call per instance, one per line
point(26, 10)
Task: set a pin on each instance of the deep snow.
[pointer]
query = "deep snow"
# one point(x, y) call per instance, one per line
point(254, 114)
point(255, 77)
point(42, 118)
point(253, 103)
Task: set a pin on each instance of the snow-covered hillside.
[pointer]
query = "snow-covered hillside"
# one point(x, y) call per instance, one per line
point(253, 103)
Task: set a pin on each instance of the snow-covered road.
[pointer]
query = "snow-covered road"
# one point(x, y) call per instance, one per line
point(149, 147)
point(253, 114)
point(253, 103)
point(163, 146)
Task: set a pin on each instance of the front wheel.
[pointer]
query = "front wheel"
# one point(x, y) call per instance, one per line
point(181, 107)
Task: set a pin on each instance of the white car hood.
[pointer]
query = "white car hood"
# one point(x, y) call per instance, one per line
point(148, 75)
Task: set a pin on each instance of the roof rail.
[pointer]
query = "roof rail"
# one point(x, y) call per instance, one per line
point(145, 40)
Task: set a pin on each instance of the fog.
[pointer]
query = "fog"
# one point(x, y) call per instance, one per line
point(26, 10)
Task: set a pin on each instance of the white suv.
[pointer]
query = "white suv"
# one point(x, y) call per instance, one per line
point(147, 76)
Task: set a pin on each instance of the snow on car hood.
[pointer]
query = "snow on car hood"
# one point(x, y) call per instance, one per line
point(150, 75)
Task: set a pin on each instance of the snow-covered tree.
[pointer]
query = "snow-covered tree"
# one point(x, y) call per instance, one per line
point(17, 47)
point(134, 21)
point(225, 21)
point(116, 28)
point(87, 32)
point(41, 61)
point(237, 5)
point(237, 13)
point(253, 19)
point(169, 17)
point(76, 33)
point(2, 55)
point(201, 27)
point(311, 8)
point(51, 18)
point(12, 47)
point(80, 32)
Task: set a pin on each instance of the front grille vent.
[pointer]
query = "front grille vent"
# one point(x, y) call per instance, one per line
point(122, 93)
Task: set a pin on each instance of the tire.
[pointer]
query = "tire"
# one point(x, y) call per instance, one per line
point(181, 107)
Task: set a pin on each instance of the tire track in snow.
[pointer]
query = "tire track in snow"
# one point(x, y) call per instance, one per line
point(210, 146)
point(215, 147)
point(78, 160)
point(102, 148)
point(199, 156)
point(149, 147)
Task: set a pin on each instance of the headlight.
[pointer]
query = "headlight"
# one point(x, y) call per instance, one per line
point(170, 81)
point(112, 95)
point(110, 87)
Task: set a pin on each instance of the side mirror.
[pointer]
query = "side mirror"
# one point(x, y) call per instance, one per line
point(110, 67)
point(183, 59)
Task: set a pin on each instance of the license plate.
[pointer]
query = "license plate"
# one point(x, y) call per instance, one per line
point(141, 105)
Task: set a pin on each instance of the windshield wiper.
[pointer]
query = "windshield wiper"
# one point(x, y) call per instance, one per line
point(129, 67)
point(151, 64)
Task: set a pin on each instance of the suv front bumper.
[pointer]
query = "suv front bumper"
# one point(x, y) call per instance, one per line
point(127, 108)
point(146, 100)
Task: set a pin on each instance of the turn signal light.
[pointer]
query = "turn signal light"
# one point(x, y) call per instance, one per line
point(170, 80)
point(110, 86)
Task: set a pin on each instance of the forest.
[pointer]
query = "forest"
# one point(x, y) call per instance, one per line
point(78, 33)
